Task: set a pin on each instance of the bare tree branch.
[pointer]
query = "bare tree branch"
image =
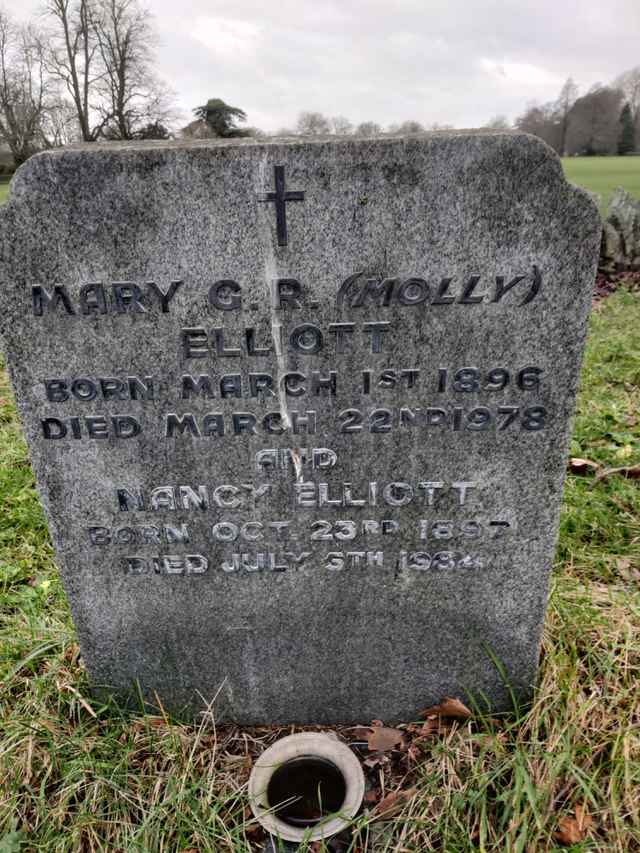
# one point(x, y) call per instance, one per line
point(27, 95)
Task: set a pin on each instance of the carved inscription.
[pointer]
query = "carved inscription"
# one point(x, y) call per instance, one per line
point(281, 387)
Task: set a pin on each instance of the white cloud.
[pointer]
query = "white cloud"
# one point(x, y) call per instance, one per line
point(520, 74)
point(231, 40)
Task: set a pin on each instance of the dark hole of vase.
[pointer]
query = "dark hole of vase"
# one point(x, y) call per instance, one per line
point(305, 790)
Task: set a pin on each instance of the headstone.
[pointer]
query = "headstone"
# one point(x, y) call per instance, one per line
point(299, 412)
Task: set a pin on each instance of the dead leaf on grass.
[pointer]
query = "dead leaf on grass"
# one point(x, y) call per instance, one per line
point(413, 754)
point(449, 707)
point(72, 653)
point(573, 830)
point(626, 570)
point(376, 760)
point(255, 831)
point(582, 466)
point(382, 738)
point(360, 732)
point(393, 802)
point(431, 726)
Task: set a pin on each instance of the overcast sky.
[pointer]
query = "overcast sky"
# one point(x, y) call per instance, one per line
point(457, 62)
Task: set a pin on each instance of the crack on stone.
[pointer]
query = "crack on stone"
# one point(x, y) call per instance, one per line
point(271, 277)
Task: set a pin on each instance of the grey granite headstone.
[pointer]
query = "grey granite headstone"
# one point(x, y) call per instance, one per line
point(299, 411)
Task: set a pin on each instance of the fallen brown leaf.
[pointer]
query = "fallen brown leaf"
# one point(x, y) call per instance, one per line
point(628, 572)
point(376, 760)
point(371, 797)
point(449, 707)
point(72, 653)
point(582, 466)
point(413, 754)
point(573, 830)
point(393, 802)
point(360, 732)
point(382, 738)
point(431, 726)
point(255, 831)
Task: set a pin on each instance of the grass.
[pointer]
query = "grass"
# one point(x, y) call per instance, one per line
point(602, 175)
point(4, 188)
point(76, 775)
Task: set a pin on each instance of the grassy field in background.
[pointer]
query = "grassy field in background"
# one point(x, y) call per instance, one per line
point(602, 175)
point(76, 775)
point(4, 189)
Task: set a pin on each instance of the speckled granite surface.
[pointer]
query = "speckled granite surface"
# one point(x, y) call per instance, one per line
point(299, 411)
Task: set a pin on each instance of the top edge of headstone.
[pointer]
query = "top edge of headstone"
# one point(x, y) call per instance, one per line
point(526, 142)
point(252, 141)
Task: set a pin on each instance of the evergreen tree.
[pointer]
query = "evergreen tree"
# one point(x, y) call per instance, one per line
point(221, 118)
point(627, 141)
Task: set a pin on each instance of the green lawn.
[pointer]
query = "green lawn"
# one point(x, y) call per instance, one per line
point(76, 775)
point(4, 189)
point(602, 175)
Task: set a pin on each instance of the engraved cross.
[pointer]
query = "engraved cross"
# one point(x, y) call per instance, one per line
point(280, 197)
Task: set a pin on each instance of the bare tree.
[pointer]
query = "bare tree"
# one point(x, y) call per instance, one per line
point(368, 128)
point(410, 126)
point(594, 122)
point(312, 124)
point(563, 107)
point(629, 83)
point(74, 58)
point(341, 126)
point(103, 52)
point(59, 123)
point(131, 96)
point(25, 92)
point(540, 120)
